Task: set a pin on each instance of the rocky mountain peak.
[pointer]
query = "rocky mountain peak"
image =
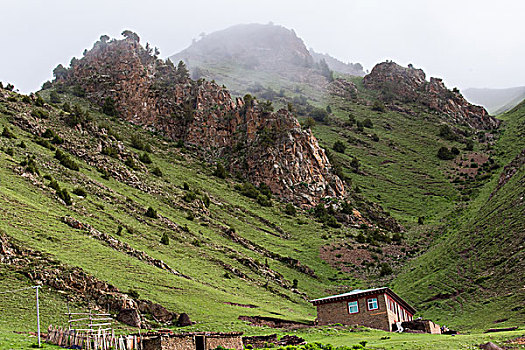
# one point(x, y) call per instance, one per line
point(410, 85)
point(262, 145)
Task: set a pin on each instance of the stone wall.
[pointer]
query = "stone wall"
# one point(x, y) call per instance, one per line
point(337, 312)
point(226, 341)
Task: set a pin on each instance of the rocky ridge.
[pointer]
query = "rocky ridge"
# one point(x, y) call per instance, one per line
point(263, 146)
point(410, 85)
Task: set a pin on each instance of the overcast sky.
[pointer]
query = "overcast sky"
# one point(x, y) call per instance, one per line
point(468, 43)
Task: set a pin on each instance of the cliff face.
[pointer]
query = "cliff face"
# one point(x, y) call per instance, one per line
point(262, 145)
point(410, 84)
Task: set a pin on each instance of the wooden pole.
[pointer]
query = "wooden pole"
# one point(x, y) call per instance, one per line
point(38, 316)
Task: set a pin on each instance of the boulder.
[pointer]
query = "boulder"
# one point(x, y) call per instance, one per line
point(131, 317)
point(490, 346)
point(184, 320)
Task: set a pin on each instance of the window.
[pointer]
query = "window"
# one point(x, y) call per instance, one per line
point(353, 308)
point(372, 304)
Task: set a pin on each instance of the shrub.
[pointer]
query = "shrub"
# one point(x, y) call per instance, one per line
point(119, 230)
point(145, 158)
point(79, 191)
point(249, 190)
point(264, 200)
point(39, 102)
point(54, 98)
point(65, 196)
point(165, 239)
point(40, 113)
point(354, 164)
point(22, 144)
point(332, 222)
point(66, 161)
point(206, 201)
point(220, 171)
point(133, 293)
point(185, 186)
point(309, 123)
point(367, 123)
point(375, 138)
point(319, 114)
point(339, 146)
point(454, 151)
point(378, 106)
point(10, 151)
point(110, 151)
point(26, 99)
point(57, 140)
point(420, 220)
point(290, 209)
point(137, 143)
point(48, 133)
point(45, 143)
point(360, 126)
point(151, 213)
point(78, 91)
point(7, 133)
point(445, 154)
point(156, 171)
point(109, 107)
point(385, 270)
point(446, 133)
point(189, 196)
point(130, 162)
point(469, 145)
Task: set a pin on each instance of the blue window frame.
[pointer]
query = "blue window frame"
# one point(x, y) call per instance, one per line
point(353, 307)
point(372, 304)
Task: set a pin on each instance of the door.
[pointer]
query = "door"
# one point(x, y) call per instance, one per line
point(199, 342)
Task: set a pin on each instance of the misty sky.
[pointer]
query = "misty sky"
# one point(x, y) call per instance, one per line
point(468, 43)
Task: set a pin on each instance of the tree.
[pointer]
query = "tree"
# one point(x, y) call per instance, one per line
point(309, 123)
point(328, 109)
point(104, 38)
point(128, 34)
point(182, 70)
point(355, 165)
point(220, 171)
point(290, 209)
point(319, 114)
point(325, 70)
point(165, 239)
point(339, 146)
point(59, 72)
point(109, 107)
point(378, 106)
point(151, 213)
point(445, 154)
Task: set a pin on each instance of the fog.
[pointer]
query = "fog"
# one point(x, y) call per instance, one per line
point(468, 43)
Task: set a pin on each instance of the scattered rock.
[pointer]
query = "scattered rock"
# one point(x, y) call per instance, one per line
point(490, 346)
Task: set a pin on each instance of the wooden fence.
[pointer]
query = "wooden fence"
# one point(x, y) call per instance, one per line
point(91, 340)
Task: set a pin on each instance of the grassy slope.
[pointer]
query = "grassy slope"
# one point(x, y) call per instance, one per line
point(31, 214)
point(481, 254)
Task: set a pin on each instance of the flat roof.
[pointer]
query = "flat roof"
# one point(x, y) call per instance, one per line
point(363, 292)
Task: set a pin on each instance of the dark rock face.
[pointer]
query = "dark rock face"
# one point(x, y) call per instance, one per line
point(410, 85)
point(264, 146)
point(130, 317)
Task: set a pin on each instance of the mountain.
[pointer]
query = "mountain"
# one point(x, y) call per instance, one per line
point(251, 57)
point(336, 65)
point(128, 186)
point(496, 101)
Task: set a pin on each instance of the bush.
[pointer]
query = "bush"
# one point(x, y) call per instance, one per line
point(469, 145)
point(360, 126)
point(110, 151)
point(78, 91)
point(133, 293)
point(220, 171)
point(39, 102)
point(264, 200)
point(137, 143)
point(7, 133)
point(65, 196)
point(109, 107)
point(66, 161)
point(319, 114)
point(454, 151)
point(22, 144)
point(130, 162)
point(40, 113)
point(332, 222)
point(145, 158)
point(385, 270)
point(367, 123)
point(156, 171)
point(151, 213)
point(165, 239)
point(354, 164)
point(206, 201)
point(79, 191)
point(57, 140)
point(189, 196)
point(48, 134)
point(339, 146)
point(54, 98)
point(45, 143)
point(378, 106)
point(445, 154)
point(10, 151)
point(290, 209)
point(309, 123)
point(375, 138)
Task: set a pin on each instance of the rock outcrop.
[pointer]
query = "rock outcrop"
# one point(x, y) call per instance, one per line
point(410, 85)
point(263, 146)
